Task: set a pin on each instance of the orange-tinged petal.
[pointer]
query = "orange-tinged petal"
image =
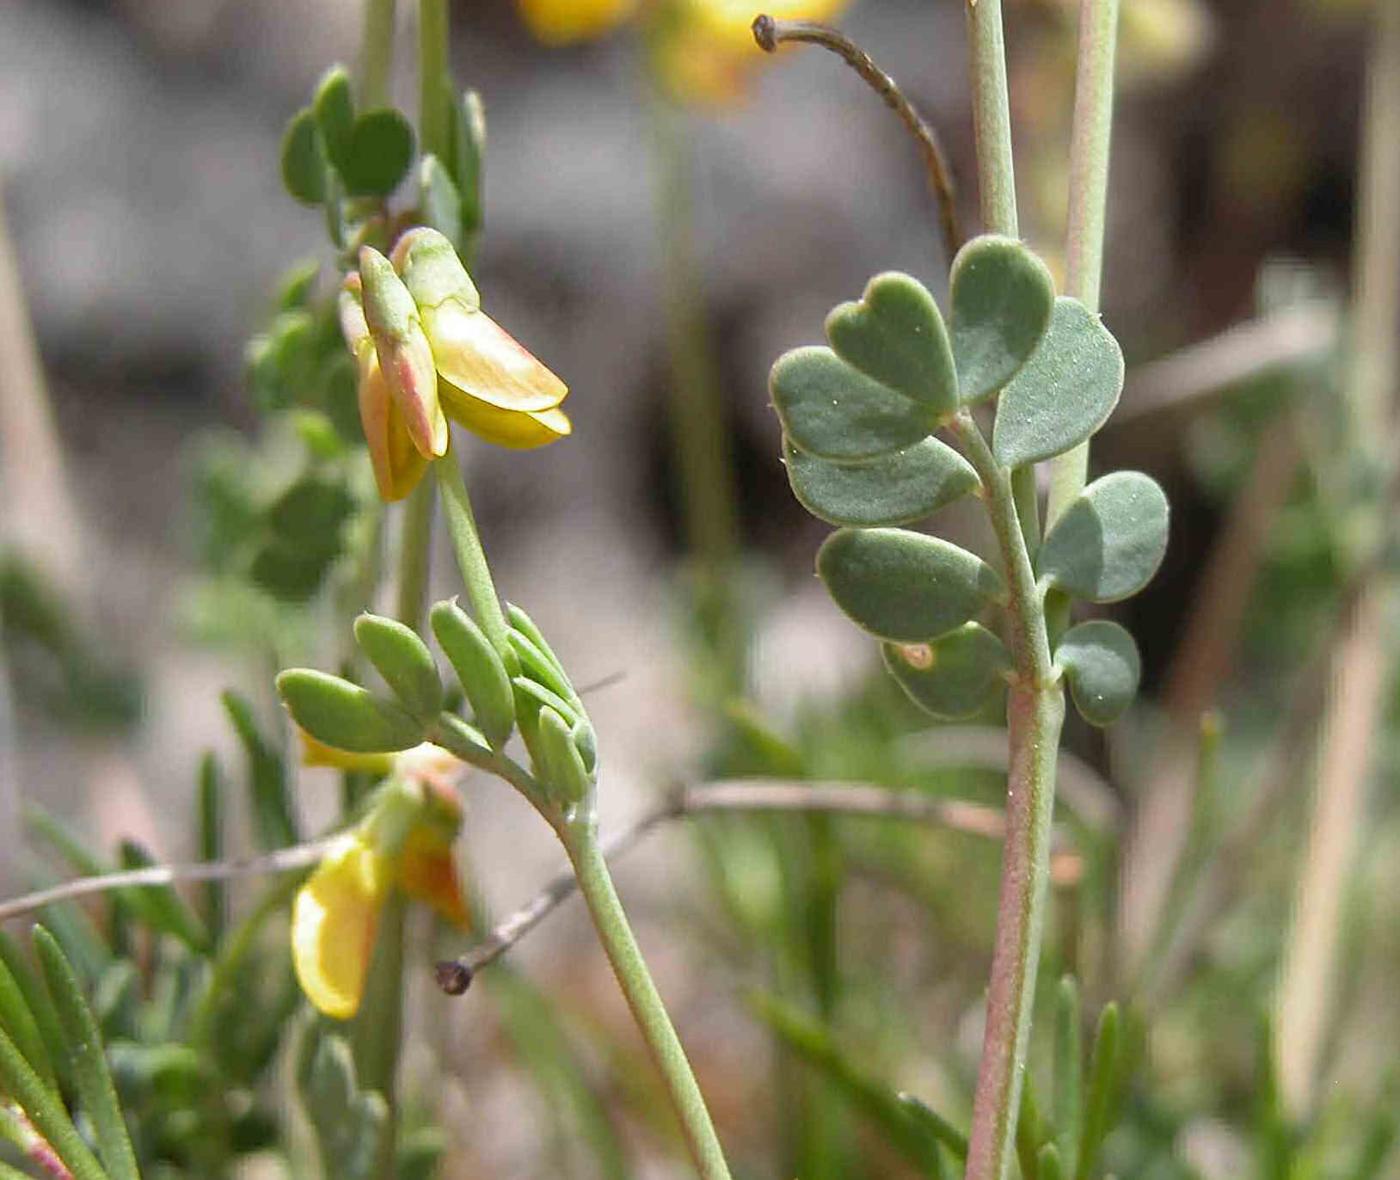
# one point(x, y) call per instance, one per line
point(477, 355)
point(333, 924)
point(506, 428)
point(398, 464)
point(428, 873)
point(560, 22)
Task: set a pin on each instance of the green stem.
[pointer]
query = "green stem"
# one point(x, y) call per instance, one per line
point(620, 944)
point(704, 466)
point(1088, 199)
point(376, 52)
point(471, 558)
point(1035, 714)
point(434, 78)
point(415, 552)
point(991, 117)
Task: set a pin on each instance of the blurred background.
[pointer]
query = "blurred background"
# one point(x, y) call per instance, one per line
point(646, 231)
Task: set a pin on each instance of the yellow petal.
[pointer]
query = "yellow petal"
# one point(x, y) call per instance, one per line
point(506, 428)
point(477, 355)
point(560, 22)
point(398, 464)
point(428, 873)
point(333, 924)
point(317, 753)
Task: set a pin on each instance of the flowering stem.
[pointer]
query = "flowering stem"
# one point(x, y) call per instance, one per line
point(415, 552)
point(434, 76)
point(704, 465)
point(620, 944)
point(471, 558)
point(1035, 713)
point(1088, 198)
point(376, 51)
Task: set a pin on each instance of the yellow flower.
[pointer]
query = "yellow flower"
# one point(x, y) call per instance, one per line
point(562, 22)
point(702, 50)
point(405, 843)
point(426, 352)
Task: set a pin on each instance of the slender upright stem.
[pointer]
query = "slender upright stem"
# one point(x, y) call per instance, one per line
point(991, 116)
point(1035, 714)
point(704, 470)
point(1088, 198)
point(415, 553)
point(376, 51)
point(434, 77)
point(471, 558)
point(620, 945)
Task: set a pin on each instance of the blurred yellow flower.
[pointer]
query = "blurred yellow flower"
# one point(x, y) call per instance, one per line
point(426, 352)
point(405, 843)
point(702, 50)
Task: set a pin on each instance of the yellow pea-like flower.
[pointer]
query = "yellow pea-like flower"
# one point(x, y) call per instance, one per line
point(404, 843)
point(426, 352)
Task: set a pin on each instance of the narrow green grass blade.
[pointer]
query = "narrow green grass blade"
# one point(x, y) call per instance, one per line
point(1069, 1076)
point(46, 1113)
point(214, 905)
point(96, 1093)
point(163, 908)
point(1102, 1090)
point(18, 1021)
point(267, 778)
point(36, 999)
point(917, 1141)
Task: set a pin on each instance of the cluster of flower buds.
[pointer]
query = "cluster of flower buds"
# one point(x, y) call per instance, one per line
point(405, 843)
point(426, 352)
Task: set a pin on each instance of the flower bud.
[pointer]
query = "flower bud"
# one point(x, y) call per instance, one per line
point(432, 272)
point(405, 356)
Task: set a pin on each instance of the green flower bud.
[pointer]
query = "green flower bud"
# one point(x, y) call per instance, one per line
point(344, 716)
point(404, 661)
point(479, 669)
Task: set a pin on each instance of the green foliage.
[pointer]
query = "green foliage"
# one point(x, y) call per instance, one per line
point(55, 664)
point(1108, 543)
point(349, 1123)
point(895, 335)
point(404, 661)
point(346, 716)
point(274, 823)
point(905, 587)
point(1063, 393)
point(897, 488)
point(1100, 661)
point(832, 410)
point(86, 1061)
point(480, 671)
point(911, 1129)
point(328, 147)
point(955, 675)
point(1001, 296)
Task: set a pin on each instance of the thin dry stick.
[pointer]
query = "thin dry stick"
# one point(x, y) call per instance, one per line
point(455, 975)
point(1244, 352)
point(770, 34)
point(284, 860)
